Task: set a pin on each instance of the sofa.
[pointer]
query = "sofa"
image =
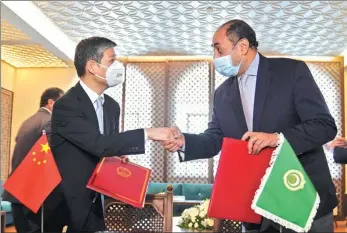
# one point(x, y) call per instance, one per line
point(191, 191)
point(6, 206)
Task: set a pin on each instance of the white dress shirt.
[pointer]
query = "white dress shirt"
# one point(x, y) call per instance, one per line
point(93, 96)
point(47, 110)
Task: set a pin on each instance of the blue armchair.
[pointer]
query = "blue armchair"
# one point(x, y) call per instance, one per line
point(6, 206)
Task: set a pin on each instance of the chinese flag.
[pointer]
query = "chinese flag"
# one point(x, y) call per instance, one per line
point(36, 177)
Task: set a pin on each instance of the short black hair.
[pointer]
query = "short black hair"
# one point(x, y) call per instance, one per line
point(239, 29)
point(51, 93)
point(92, 48)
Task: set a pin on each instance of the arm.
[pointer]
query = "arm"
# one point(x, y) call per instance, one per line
point(70, 123)
point(318, 126)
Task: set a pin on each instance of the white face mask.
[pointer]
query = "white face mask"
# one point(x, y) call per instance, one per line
point(114, 74)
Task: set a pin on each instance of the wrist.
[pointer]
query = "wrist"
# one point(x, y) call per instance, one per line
point(147, 132)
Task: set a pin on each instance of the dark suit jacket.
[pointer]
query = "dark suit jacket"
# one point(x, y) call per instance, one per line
point(287, 100)
point(29, 132)
point(77, 146)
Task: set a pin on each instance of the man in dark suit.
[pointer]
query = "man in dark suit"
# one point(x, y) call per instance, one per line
point(260, 98)
point(85, 128)
point(29, 132)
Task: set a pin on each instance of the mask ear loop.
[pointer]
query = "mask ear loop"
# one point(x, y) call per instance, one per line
point(98, 76)
point(234, 50)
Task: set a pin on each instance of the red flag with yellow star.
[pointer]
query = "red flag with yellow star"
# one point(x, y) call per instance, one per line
point(36, 176)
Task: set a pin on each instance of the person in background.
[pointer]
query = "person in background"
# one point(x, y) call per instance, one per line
point(29, 132)
point(260, 98)
point(339, 147)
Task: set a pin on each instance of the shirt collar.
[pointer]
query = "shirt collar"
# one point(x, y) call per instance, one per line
point(253, 68)
point(47, 110)
point(93, 96)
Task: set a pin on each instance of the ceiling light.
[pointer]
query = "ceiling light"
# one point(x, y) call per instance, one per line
point(209, 9)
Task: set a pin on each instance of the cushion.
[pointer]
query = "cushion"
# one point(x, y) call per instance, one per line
point(154, 188)
point(197, 191)
point(1, 188)
point(6, 206)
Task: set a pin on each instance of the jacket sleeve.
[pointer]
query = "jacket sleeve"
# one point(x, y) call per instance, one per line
point(340, 155)
point(69, 123)
point(317, 126)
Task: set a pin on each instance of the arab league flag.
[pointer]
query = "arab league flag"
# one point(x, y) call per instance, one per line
point(286, 194)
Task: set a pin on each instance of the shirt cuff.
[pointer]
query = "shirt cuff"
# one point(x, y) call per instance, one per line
point(181, 154)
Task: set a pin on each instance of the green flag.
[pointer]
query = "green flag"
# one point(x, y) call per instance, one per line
point(286, 194)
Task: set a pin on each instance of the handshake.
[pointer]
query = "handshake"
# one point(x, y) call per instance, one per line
point(171, 138)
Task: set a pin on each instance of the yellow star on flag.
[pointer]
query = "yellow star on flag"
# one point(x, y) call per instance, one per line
point(45, 147)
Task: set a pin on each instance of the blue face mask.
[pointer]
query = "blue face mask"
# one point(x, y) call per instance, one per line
point(224, 65)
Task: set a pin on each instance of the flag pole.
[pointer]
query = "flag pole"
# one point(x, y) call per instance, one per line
point(42, 207)
point(42, 218)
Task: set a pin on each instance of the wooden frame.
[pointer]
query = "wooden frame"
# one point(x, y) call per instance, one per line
point(3, 221)
point(163, 204)
point(8, 145)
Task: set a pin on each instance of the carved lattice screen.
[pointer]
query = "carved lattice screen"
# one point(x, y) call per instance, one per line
point(188, 105)
point(6, 118)
point(328, 78)
point(144, 107)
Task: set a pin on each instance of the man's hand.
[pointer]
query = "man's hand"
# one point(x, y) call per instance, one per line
point(338, 142)
point(257, 141)
point(174, 145)
point(160, 134)
point(125, 159)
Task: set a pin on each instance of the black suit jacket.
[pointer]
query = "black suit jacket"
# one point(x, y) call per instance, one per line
point(29, 132)
point(77, 146)
point(287, 100)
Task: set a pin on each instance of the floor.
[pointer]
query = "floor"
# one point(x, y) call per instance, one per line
point(341, 227)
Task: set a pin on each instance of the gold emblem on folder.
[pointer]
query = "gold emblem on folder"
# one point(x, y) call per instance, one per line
point(124, 172)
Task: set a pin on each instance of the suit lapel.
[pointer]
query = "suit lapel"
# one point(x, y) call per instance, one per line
point(87, 105)
point(237, 104)
point(263, 79)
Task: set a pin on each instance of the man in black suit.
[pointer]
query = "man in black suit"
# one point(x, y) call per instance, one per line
point(260, 98)
point(29, 132)
point(85, 128)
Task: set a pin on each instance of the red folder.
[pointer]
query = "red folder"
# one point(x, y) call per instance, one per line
point(126, 182)
point(237, 179)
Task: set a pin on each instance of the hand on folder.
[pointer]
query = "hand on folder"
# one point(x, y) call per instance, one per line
point(125, 159)
point(258, 141)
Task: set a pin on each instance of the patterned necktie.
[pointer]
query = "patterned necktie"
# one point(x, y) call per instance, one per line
point(245, 91)
point(99, 114)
